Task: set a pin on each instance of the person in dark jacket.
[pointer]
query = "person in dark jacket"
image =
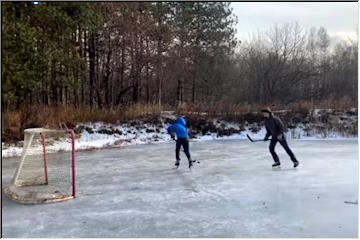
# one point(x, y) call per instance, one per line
point(182, 135)
point(275, 129)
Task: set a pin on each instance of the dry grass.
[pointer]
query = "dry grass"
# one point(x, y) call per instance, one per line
point(235, 111)
point(14, 122)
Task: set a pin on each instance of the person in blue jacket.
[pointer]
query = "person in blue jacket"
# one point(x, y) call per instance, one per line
point(182, 139)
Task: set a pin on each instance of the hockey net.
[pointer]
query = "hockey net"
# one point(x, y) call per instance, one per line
point(43, 177)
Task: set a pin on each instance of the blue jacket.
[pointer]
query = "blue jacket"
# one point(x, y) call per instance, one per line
point(179, 128)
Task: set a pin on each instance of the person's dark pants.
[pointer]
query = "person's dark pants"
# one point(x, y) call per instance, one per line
point(185, 143)
point(283, 143)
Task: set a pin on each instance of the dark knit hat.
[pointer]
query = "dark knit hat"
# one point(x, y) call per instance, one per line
point(266, 109)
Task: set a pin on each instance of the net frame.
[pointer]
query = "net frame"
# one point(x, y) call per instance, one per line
point(17, 189)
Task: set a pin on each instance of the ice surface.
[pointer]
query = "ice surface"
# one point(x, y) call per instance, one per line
point(233, 192)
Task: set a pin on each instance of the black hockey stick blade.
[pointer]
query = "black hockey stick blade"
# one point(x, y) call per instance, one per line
point(257, 140)
point(249, 138)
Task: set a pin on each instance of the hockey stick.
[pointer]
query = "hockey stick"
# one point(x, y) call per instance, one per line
point(256, 140)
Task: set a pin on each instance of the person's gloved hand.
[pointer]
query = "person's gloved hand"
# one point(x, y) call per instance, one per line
point(280, 137)
point(172, 136)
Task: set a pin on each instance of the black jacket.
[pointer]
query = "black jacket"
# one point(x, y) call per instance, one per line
point(273, 126)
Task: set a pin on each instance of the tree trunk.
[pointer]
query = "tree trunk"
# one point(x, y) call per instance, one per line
point(61, 84)
point(97, 79)
point(159, 52)
point(66, 95)
point(122, 70)
point(53, 82)
point(92, 68)
point(107, 76)
point(82, 55)
point(134, 71)
point(147, 73)
point(158, 74)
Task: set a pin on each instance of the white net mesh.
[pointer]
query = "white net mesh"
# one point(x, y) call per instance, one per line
point(42, 176)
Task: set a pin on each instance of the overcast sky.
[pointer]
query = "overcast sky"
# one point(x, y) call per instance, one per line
point(339, 18)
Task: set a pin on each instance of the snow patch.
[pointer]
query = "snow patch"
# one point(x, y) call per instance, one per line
point(100, 135)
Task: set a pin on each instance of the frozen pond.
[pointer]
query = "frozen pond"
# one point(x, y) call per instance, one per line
point(233, 192)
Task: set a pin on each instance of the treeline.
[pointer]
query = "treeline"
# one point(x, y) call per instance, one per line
point(287, 64)
point(109, 54)
point(168, 53)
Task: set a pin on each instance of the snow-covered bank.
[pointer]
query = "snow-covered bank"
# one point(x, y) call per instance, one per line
point(100, 135)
